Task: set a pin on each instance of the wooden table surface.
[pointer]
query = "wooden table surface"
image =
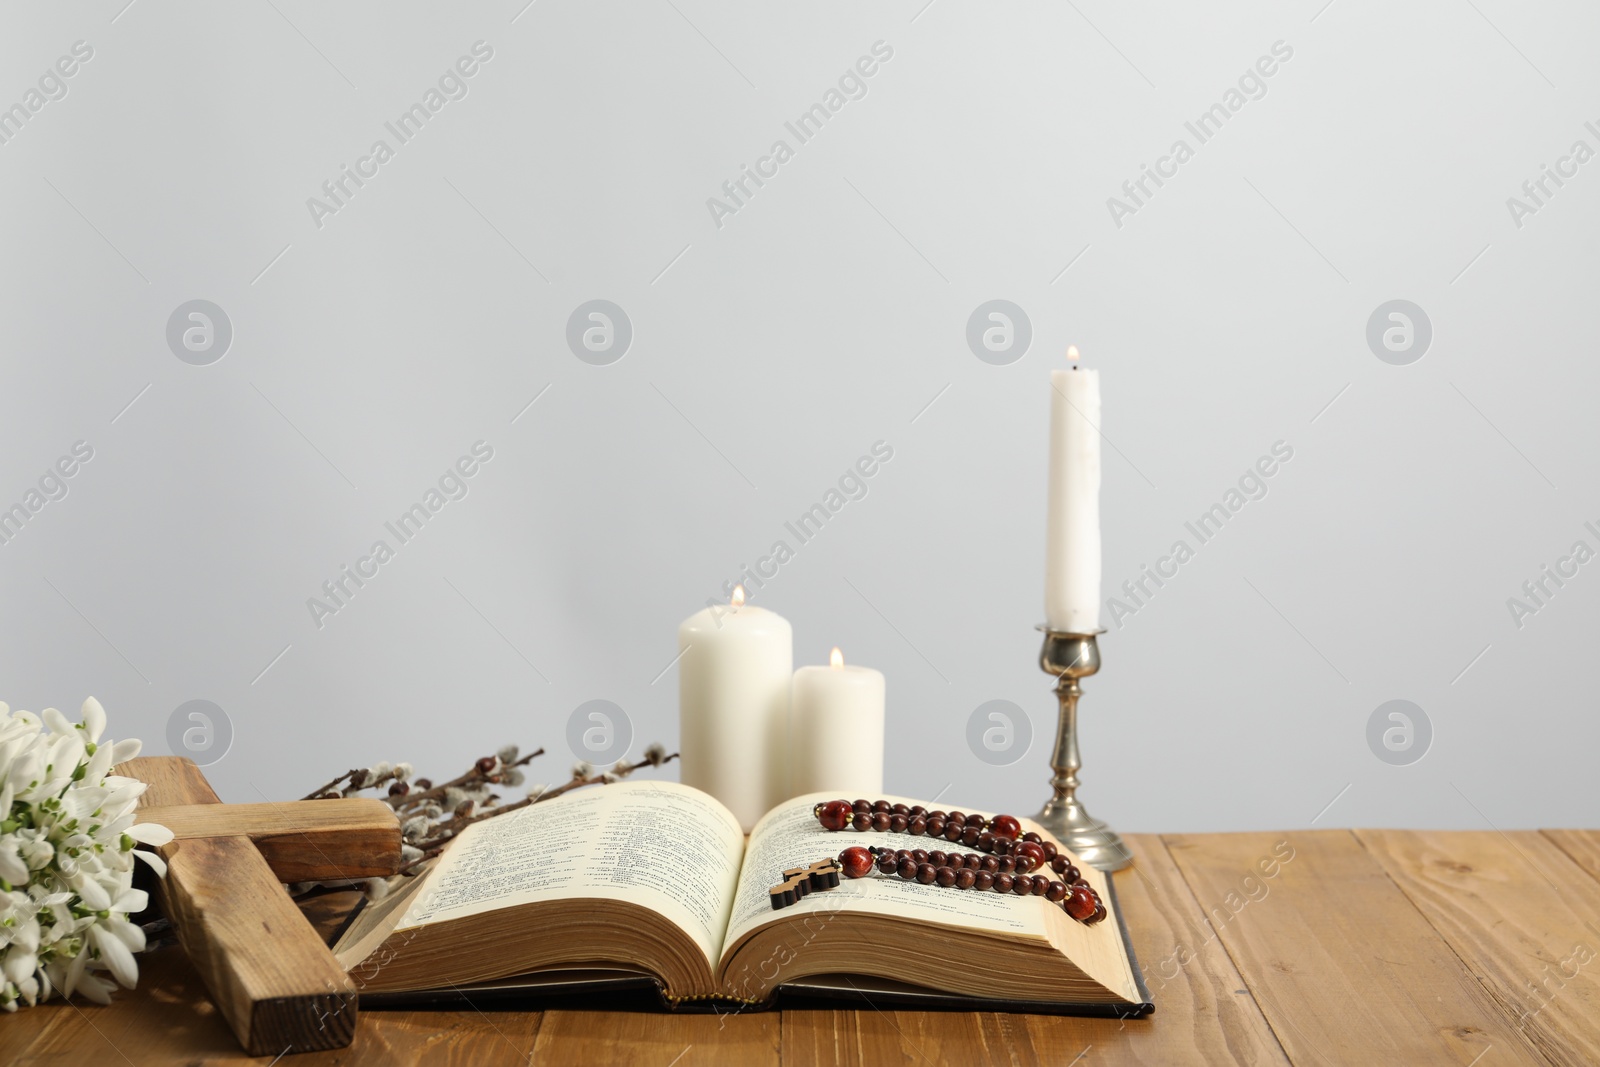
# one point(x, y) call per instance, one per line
point(1367, 947)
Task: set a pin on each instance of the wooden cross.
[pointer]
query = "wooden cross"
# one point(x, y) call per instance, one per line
point(267, 970)
point(798, 881)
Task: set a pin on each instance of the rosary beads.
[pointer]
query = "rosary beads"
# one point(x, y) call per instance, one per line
point(1008, 867)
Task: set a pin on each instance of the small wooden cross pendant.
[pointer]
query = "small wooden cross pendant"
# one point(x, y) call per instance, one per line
point(266, 969)
point(798, 881)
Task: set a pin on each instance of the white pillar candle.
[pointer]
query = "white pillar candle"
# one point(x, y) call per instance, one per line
point(1072, 522)
point(836, 730)
point(733, 705)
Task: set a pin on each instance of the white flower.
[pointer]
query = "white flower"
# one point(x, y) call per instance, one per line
point(67, 837)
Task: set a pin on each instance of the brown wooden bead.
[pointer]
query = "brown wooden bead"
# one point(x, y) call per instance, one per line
point(1041, 885)
point(1005, 827)
point(918, 809)
point(1032, 836)
point(985, 842)
point(1032, 850)
point(956, 817)
point(880, 821)
point(1002, 883)
point(977, 820)
point(887, 862)
point(1079, 904)
point(935, 826)
point(937, 858)
point(1022, 885)
point(901, 853)
point(1071, 875)
point(920, 855)
point(861, 821)
point(855, 861)
point(900, 809)
point(834, 815)
point(861, 806)
point(1050, 850)
point(969, 836)
point(880, 805)
point(898, 824)
point(916, 825)
point(983, 880)
point(1022, 864)
point(1007, 864)
point(926, 873)
point(952, 831)
point(1099, 913)
point(907, 869)
point(945, 876)
point(1059, 864)
point(966, 878)
point(1057, 892)
point(991, 863)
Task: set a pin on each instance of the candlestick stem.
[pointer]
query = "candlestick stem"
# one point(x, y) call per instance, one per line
point(1070, 657)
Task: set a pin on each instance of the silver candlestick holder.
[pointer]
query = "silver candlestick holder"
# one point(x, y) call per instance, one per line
point(1070, 657)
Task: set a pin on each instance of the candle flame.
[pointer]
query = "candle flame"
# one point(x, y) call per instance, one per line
point(836, 658)
point(1072, 355)
point(737, 600)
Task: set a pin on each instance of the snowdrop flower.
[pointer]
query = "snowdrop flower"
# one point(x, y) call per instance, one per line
point(67, 850)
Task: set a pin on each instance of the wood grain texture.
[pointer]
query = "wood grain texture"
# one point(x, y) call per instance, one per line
point(656, 1040)
point(1203, 1013)
point(303, 840)
point(169, 780)
point(1344, 967)
point(1581, 846)
point(1518, 908)
point(270, 974)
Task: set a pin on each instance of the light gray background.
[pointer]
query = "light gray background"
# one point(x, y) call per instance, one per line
point(830, 312)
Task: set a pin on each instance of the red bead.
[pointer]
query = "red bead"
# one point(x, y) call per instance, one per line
point(1079, 903)
point(1005, 827)
point(856, 861)
point(834, 815)
point(1033, 851)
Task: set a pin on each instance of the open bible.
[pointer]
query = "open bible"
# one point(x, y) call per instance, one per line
point(653, 882)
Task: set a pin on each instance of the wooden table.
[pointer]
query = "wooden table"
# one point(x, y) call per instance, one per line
point(1368, 947)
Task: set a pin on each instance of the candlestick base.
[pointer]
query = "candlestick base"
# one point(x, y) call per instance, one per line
point(1070, 657)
